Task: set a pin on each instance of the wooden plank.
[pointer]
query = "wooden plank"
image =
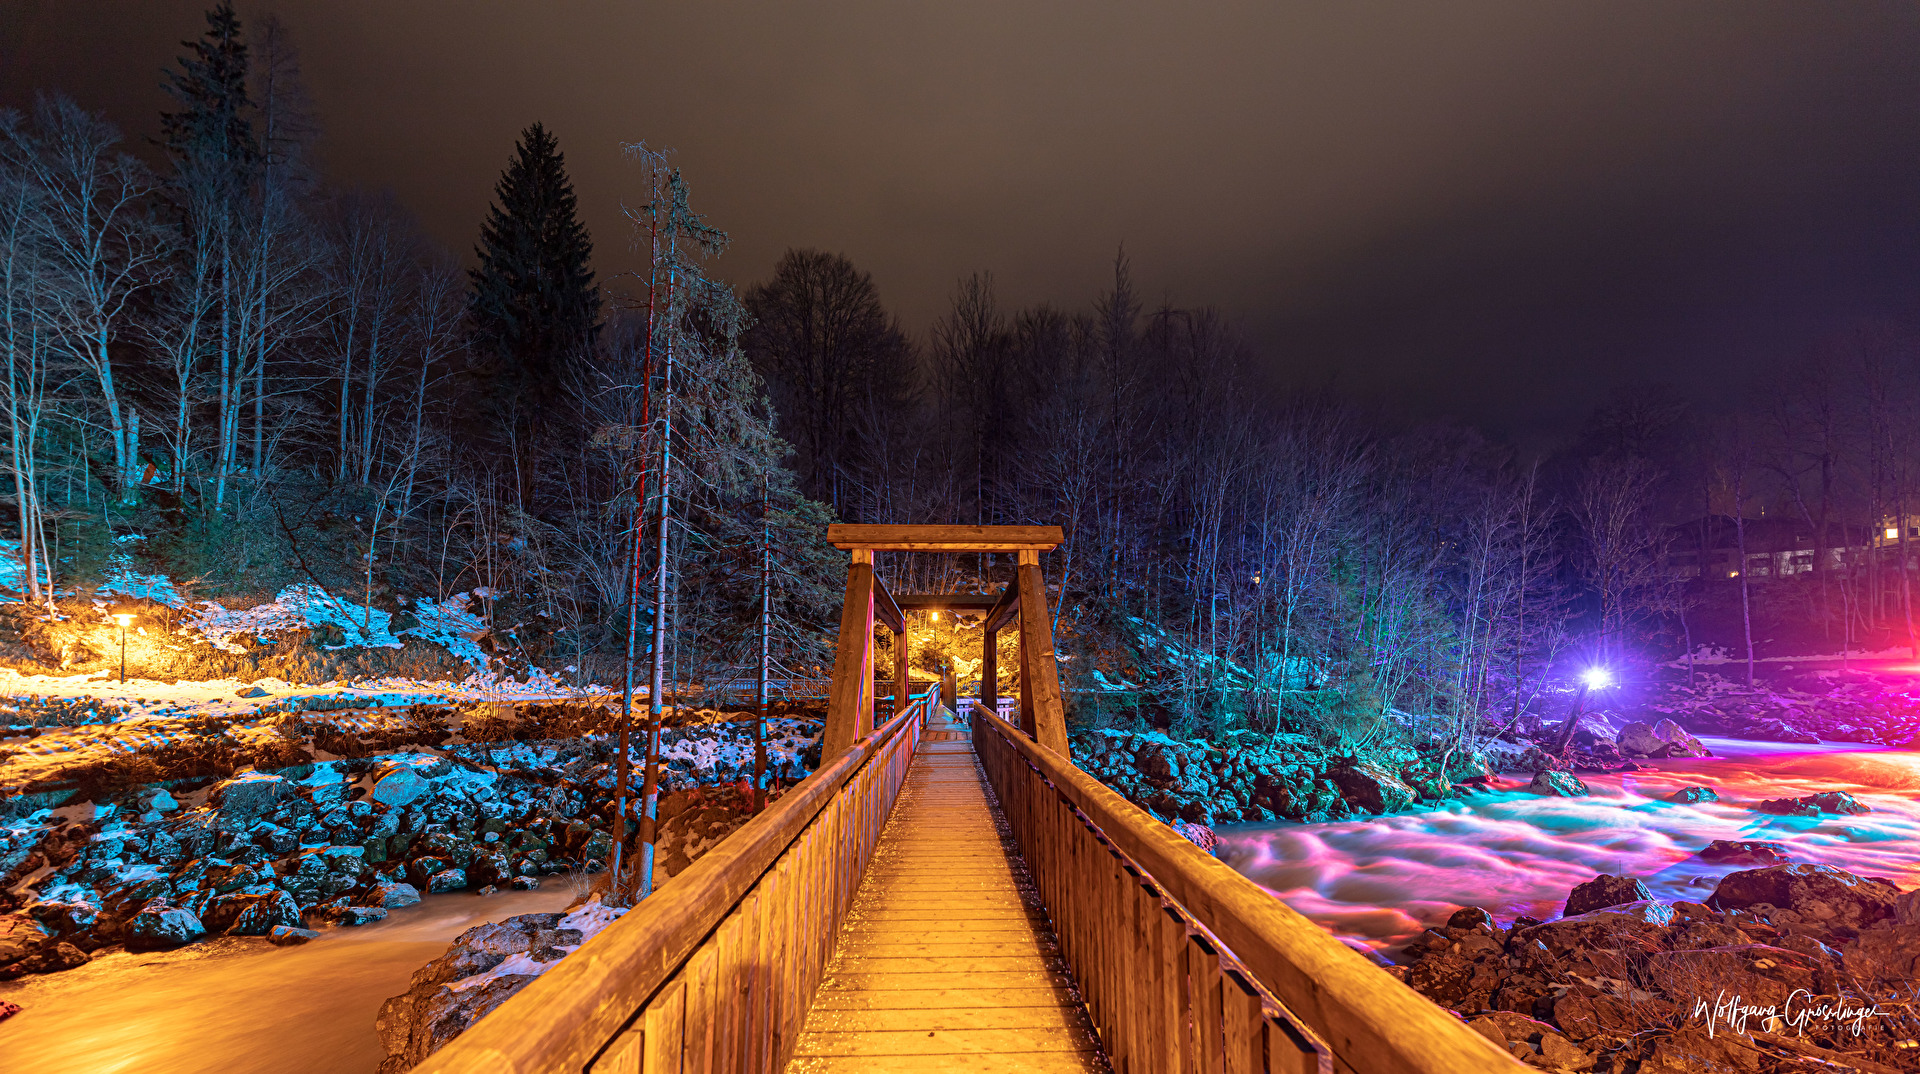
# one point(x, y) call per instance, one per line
point(623, 1056)
point(1005, 606)
point(886, 610)
point(697, 1039)
point(945, 538)
point(848, 693)
point(941, 602)
point(662, 1024)
point(954, 1042)
point(1011, 1063)
point(1241, 1026)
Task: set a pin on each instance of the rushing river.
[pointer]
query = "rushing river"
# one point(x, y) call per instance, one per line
point(237, 1006)
point(1382, 880)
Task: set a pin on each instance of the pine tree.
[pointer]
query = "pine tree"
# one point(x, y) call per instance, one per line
point(534, 304)
point(214, 121)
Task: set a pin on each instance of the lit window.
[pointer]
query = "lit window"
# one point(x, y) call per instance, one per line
point(1893, 532)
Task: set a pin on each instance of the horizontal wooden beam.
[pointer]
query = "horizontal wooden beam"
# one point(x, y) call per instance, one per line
point(884, 608)
point(922, 602)
point(1005, 607)
point(945, 538)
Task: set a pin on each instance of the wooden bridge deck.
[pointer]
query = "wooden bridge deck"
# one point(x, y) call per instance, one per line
point(946, 961)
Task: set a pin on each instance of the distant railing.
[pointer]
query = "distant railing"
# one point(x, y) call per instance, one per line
point(1187, 965)
point(717, 969)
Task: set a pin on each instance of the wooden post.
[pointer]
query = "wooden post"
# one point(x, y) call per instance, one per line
point(1041, 669)
point(949, 686)
point(849, 697)
point(900, 685)
point(1026, 687)
point(990, 669)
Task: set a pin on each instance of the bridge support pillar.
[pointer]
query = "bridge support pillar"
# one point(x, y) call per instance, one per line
point(850, 695)
point(1039, 671)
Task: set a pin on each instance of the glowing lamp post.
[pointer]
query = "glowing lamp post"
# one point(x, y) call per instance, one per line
point(125, 619)
point(1594, 678)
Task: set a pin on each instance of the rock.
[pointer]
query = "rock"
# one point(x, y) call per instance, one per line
point(431, 1012)
point(362, 915)
point(1813, 805)
point(8, 1010)
point(1470, 917)
point(251, 691)
point(400, 786)
point(1693, 795)
point(1371, 788)
point(250, 794)
point(1198, 834)
point(526, 883)
point(1662, 739)
point(394, 895)
point(1628, 924)
point(251, 915)
point(160, 926)
point(1557, 1052)
point(447, 880)
point(1820, 894)
point(289, 935)
point(1906, 909)
point(1560, 784)
point(1743, 852)
point(1603, 891)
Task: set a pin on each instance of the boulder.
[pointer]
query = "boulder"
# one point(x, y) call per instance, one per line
point(1694, 795)
point(447, 880)
point(394, 895)
point(1813, 805)
point(1744, 852)
point(290, 935)
point(160, 926)
point(1558, 784)
point(1628, 926)
point(251, 915)
point(1662, 739)
point(249, 794)
point(1603, 891)
point(399, 786)
point(1371, 788)
point(362, 915)
point(1820, 894)
point(1470, 917)
point(433, 1011)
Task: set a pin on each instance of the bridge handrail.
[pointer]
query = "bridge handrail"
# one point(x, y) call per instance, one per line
point(1086, 845)
point(600, 999)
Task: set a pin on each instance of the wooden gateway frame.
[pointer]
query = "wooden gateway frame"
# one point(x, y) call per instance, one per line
point(850, 697)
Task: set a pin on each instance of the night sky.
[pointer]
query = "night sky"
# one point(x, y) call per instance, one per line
point(1493, 211)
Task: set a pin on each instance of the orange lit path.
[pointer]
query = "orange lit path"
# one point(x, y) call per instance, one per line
point(946, 960)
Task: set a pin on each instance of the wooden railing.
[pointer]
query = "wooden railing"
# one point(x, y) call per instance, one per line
point(717, 969)
point(1184, 964)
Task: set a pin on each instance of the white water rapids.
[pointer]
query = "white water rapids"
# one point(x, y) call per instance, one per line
point(1380, 881)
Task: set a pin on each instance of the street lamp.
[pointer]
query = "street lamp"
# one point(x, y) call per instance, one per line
point(125, 619)
point(1594, 678)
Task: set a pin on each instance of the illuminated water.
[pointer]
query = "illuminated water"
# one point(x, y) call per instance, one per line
point(235, 1006)
point(1381, 881)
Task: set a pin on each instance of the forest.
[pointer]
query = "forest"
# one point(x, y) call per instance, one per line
point(221, 367)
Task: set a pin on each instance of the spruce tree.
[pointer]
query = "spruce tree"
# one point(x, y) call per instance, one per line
point(534, 304)
point(214, 122)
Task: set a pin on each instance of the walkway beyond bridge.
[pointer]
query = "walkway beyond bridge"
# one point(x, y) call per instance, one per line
point(949, 892)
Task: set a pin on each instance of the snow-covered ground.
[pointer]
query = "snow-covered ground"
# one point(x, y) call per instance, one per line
point(1383, 879)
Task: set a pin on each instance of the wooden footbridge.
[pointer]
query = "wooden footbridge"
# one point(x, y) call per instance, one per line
point(948, 892)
